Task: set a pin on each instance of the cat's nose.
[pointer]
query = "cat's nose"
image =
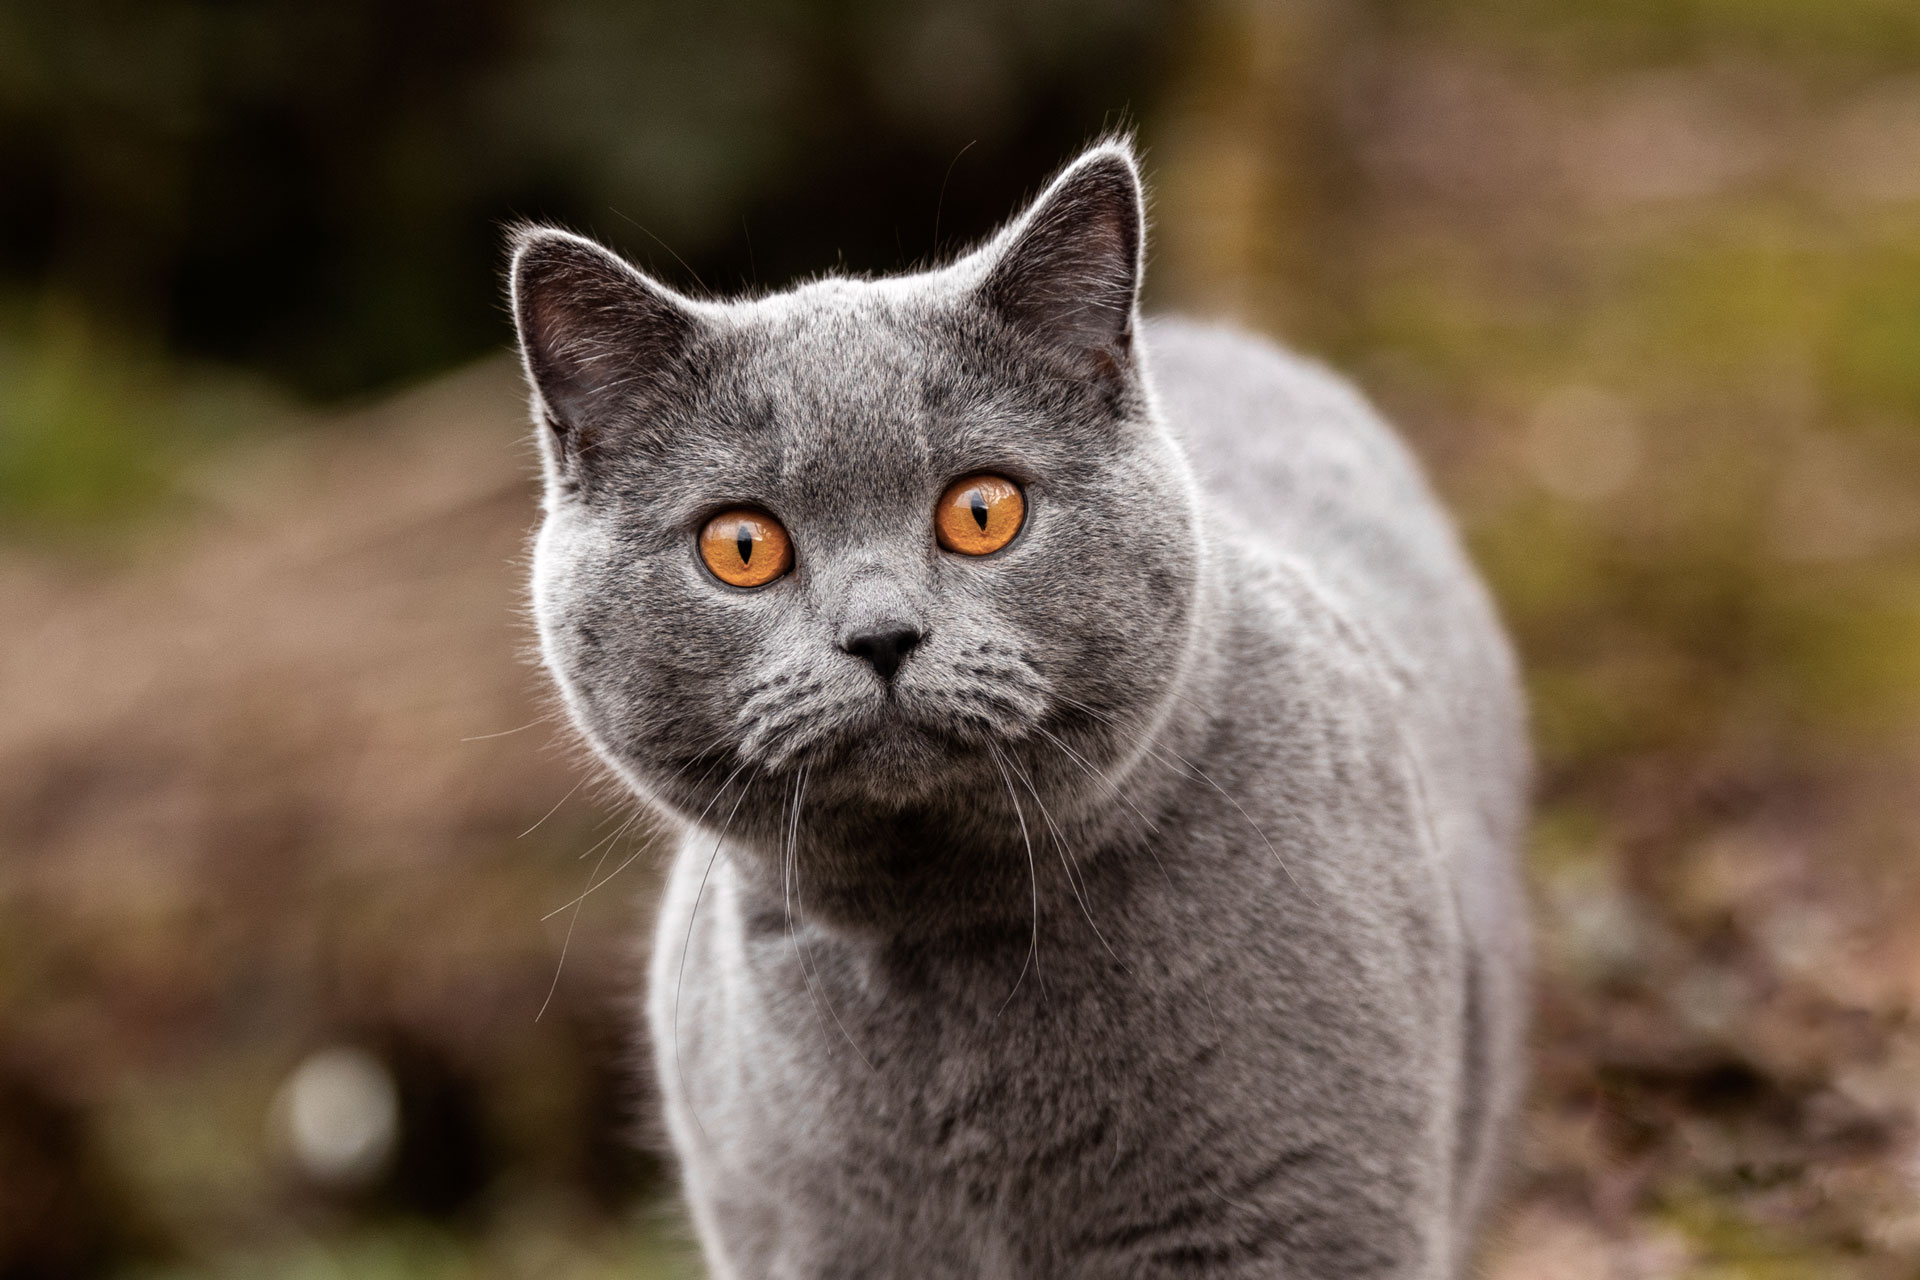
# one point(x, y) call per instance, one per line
point(885, 646)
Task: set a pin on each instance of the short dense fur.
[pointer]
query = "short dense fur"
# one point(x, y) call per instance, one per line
point(1159, 917)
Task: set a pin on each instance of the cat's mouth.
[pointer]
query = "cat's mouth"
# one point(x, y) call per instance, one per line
point(904, 743)
point(896, 732)
point(934, 727)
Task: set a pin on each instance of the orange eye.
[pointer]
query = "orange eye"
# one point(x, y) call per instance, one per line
point(979, 514)
point(746, 548)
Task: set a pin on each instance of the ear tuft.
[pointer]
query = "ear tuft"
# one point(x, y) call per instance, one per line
point(1068, 271)
point(596, 335)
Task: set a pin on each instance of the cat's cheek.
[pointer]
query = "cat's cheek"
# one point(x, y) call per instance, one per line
point(556, 588)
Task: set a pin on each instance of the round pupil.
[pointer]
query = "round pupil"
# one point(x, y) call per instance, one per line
point(977, 502)
point(743, 541)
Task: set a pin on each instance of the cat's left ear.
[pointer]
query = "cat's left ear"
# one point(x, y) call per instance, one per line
point(1068, 271)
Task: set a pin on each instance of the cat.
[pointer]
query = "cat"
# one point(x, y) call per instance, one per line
point(1099, 770)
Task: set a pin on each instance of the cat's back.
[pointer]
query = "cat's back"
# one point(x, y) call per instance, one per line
point(1297, 471)
point(1293, 462)
point(1291, 458)
point(1295, 466)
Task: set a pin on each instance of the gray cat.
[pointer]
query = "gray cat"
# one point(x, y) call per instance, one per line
point(1099, 769)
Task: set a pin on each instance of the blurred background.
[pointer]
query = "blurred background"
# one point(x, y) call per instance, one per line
point(296, 974)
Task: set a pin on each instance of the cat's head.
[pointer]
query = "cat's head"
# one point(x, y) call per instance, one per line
point(921, 540)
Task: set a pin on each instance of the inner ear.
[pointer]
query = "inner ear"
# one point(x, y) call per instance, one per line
point(598, 337)
point(1068, 271)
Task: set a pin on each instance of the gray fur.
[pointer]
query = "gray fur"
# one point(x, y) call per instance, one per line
point(1160, 918)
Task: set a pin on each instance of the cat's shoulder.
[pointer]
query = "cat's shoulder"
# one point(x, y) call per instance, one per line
point(1188, 358)
point(1238, 394)
point(1276, 432)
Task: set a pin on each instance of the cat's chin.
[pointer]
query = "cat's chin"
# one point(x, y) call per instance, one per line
point(899, 764)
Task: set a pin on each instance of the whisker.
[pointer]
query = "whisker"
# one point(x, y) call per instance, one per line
point(626, 825)
point(1033, 947)
point(556, 808)
point(567, 941)
point(686, 943)
point(793, 940)
point(604, 842)
point(1066, 860)
point(629, 859)
point(484, 737)
point(1206, 997)
point(712, 763)
point(805, 957)
point(1197, 772)
point(1098, 777)
point(1120, 795)
point(606, 847)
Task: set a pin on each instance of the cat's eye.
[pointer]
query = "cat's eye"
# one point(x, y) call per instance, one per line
point(746, 548)
point(979, 515)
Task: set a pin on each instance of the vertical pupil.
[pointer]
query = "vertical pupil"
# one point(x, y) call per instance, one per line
point(977, 501)
point(743, 540)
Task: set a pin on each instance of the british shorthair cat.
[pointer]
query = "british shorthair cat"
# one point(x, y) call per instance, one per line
point(1099, 770)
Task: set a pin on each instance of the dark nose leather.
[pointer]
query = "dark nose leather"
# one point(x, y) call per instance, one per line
point(886, 647)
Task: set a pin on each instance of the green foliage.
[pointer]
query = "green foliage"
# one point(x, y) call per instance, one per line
point(1842, 37)
point(82, 429)
point(95, 428)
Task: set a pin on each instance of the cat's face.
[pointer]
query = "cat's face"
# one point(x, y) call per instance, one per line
point(876, 662)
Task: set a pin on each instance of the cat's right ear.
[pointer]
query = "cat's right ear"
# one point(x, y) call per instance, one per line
point(598, 338)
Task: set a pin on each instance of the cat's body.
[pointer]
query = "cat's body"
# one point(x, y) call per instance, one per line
point(1194, 946)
